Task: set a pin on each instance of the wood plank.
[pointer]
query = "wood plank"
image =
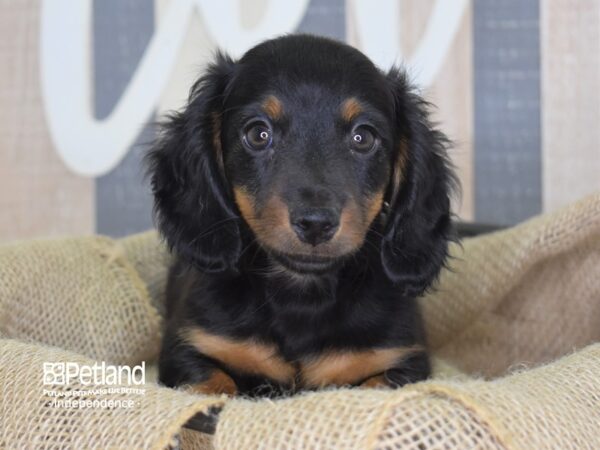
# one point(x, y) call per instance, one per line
point(196, 51)
point(451, 91)
point(39, 196)
point(570, 46)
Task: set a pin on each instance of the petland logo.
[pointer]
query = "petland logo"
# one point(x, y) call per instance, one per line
point(65, 373)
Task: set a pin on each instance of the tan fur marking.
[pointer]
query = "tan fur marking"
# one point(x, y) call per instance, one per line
point(354, 221)
point(276, 216)
point(350, 109)
point(245, 203)
point(273, 107)
point(374, 206)
point(377, 381)
point(273, 224)
point(398, 171)
point(250, 357)
point(351, 225)
point(218, 383)
point(339, 368)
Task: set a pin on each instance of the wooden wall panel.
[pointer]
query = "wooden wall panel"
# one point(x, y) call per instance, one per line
point(452, 94)
point(39, 196)
point(570, 42)
point(196, 50)
point(506, 115)
point(451, 90)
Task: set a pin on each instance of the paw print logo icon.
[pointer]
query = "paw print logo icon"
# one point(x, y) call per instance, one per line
point(54, 374)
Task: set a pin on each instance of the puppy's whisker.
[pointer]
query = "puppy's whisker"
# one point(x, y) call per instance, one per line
point(248, 246)
point(376, 233)
point(213, 228)
point(373, 245)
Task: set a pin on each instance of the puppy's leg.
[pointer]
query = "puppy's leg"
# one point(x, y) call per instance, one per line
point(217, 382)
point(181, 365)
point(415, 367)
point(375, 382)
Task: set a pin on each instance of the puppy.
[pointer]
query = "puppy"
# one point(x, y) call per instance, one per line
point(305, 194)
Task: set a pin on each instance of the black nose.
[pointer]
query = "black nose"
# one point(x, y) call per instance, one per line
point(315, 225)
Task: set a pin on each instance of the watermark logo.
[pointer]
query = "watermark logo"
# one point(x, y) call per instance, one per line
point(65, 373)
point(73, 385)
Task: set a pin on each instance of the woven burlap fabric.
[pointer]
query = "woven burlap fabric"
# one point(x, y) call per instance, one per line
point(151, 261)
point(552, 407)
point(526, 295)
point(29, 420)
point(523, 296)
point(79, 294)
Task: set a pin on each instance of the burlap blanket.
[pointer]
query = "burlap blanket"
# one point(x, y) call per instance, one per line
point(518, 313)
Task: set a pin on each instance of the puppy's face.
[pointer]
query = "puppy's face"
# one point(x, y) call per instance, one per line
point(299, 144)
point(308, 148)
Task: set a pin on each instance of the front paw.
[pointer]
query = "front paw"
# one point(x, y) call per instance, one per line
point(217, 383)
point(375, 382)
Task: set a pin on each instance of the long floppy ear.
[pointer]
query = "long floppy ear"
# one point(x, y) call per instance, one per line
point(418, 228)
point(193, 207)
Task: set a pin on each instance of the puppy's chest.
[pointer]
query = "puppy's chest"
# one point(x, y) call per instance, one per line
point(305, 344)
point(329, 350)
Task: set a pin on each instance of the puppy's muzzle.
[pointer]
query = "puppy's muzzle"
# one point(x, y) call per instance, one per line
point(315, 225)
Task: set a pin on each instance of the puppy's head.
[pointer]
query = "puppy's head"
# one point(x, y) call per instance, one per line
point(304, 143)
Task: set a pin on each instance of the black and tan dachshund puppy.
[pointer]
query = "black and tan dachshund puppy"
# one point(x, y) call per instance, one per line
point(305, 194)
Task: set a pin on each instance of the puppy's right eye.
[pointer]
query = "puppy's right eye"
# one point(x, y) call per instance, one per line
point(258, 136)
point(363, 140)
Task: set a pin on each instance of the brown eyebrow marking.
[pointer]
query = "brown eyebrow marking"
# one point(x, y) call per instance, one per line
point(351, 109)
point(273, 107)
point(246, 356)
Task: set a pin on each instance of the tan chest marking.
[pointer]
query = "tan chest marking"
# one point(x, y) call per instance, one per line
point(341, 368)
point(250, 357)
point(256, 358)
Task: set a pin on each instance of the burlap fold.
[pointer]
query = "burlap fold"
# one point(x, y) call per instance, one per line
point(512, 299)
point(552, 407)
point(79, 294)
point(525, 295)
point(29, 420)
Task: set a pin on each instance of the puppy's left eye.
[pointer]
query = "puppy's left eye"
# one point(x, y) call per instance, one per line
point(362, 139)
point(258, 136)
